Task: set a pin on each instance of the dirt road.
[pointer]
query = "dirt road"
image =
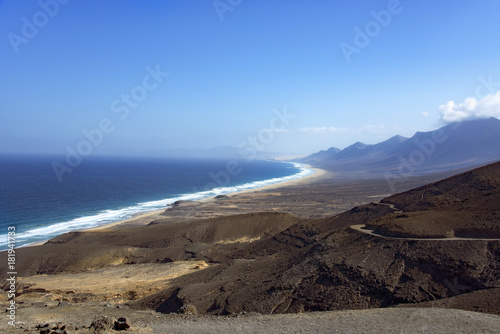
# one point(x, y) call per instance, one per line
point(361, 228)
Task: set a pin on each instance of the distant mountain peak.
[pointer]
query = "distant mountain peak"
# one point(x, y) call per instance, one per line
point(359, 145)
point(333, 150)
point(397, 138)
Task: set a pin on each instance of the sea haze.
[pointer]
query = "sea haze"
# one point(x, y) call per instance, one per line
point(105, 190)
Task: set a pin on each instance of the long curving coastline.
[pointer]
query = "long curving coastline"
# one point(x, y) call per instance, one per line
point(145, 212)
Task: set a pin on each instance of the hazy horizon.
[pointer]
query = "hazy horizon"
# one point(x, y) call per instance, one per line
point(295, 78)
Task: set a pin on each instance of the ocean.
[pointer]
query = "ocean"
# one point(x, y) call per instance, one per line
point(105, 190)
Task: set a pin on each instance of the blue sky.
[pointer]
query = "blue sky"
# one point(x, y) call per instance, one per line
point(66, 67)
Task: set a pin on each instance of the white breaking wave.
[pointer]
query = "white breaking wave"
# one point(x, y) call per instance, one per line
point(110, 216)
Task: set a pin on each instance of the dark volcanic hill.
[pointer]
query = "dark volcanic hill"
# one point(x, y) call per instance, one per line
point(453, 146)
point(326, 265)
point(465, 205)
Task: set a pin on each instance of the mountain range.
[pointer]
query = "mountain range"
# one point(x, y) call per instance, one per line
point(454, 146)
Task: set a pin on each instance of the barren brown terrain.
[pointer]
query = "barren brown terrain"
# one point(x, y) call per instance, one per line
point(279, 251)
point(466, 205)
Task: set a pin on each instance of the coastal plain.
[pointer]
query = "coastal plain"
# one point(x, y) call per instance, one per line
point(245, 261)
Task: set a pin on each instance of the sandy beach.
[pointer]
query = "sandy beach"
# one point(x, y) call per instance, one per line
point(147, 217)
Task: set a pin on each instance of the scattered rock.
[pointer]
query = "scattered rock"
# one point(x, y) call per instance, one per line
point(122, 324)
point(188, 309)
point(131, 295)
point(102, 324)
point(33, 290)
point(58, 331)
point(221, 197)
point(58, 328)
point(165, 260)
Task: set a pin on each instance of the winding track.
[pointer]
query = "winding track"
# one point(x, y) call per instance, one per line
point(361, 228)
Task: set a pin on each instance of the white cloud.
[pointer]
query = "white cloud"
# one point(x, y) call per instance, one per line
point(326, 129)
point(281, 130)
point(471, 108)
point(369, 128)
point(376, 129)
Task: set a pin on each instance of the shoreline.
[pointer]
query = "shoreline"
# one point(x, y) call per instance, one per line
point(143, 218)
